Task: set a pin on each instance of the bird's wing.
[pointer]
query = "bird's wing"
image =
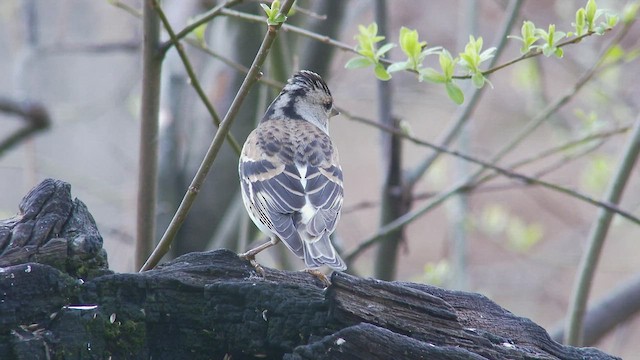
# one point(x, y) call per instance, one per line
point(322, 177)
point(325, 193)
point(275, 192)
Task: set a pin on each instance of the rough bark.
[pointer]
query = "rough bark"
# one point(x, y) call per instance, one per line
point(212, 304)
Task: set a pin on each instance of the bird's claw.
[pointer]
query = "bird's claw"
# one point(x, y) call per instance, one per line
point(320, 276)
point(252, 260)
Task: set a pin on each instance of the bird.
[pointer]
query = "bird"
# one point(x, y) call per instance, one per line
point(290, 175)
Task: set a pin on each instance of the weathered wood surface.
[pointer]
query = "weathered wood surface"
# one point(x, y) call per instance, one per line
point(213, 304)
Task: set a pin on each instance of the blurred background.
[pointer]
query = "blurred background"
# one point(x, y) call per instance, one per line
point(518, 244)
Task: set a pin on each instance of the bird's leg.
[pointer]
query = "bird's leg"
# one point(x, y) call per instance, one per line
point(320, 276)
point(251, 254)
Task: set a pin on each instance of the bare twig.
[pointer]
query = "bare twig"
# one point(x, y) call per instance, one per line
point(34, 114)
point(131, 10)
point(204, 18)
point(233, 64)
point(599, 136)
point(194, 79)
point(291, 28)
point(212, 152)
point(597, 236)
point(464, 184)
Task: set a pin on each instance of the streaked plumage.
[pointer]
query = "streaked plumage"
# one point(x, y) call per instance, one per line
point(290, 174)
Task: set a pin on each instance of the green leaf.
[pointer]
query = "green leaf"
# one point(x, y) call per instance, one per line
point(630, 12)
point(278, 19)
point(473, 55)
point(266, 9)
point(405, 127)
point(372, 29)
point(358, 63)
point(273, 13)
point(413, 48)
point(487, 54)
point(590, 13)
point(381, 72)
point(447, 63)
point(454, 92)
point(432, 75)
point(398, 66)
point(580, 23)
point(528, 30)
point(431, 51)
point(409, 42)
point(529, 36)
point(559, 35)
point(478, 80)
point(384, 49)
point(199, 32)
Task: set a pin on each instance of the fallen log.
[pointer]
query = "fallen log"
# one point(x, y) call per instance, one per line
point(213, 305)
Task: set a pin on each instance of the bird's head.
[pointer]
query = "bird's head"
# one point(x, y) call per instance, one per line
point(305, 97)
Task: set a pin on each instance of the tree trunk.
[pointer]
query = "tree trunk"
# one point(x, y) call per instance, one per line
point(213, 304)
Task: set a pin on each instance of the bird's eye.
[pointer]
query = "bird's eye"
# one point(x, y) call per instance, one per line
point(327, 106)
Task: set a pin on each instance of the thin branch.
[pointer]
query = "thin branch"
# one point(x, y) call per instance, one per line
point(350, 48)
point(310, 13)
point(463, 185)
point(204, 18)
point(530, 54)
point(131, 10)
point(35, 115)
point(561, 101)
point(571, 144)
point(194, 79)
point(597, 236)
point(233, 64)
point(150, 108)
point(212, 152)
point(292, 28)
point(554, 150)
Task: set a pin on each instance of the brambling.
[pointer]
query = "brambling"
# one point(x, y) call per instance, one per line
point(290, 175)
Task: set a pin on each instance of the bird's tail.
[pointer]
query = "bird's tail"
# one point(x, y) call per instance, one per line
point(320, 252)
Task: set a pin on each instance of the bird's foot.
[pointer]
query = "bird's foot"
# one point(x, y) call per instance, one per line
point(251, 257)
point(320, 276)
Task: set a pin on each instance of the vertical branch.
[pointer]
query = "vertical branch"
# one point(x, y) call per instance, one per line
point(150, 107)
point(216, 143)
point(458, 213)
point(597, 235)
point(392, 205)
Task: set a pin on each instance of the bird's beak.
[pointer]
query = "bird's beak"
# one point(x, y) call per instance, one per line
point(334, 112)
